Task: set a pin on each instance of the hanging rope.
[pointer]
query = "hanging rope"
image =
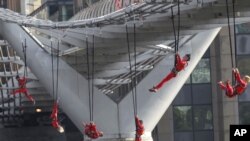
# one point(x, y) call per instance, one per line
point(235, 40)
point(130, 71)
point(229, 32)
point(88, 75)
point(230, 39)
point(93, 71)
point(135, 78)
point(173, 23)
point(25, 57)
point(52, 71)
point(57, 70)
point(178, 29)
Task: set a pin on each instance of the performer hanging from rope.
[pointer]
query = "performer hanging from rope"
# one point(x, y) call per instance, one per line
point(139, 129)
point(91, 131)
point(55, 123)
point(180, 64)
point(22, 88)
point(238, 88)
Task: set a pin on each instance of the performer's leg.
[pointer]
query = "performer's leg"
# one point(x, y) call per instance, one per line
point(29, 96)
point(166, 79)
point(222, 85)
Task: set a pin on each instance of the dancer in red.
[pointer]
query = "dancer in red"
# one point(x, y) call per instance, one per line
point(55, 123)
point(238, 88)
point(22, 88)
point(139, 129)
point(180, 64)
point(91, 131)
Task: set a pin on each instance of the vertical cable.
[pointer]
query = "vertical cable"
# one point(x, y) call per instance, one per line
point(52, 71)
point(178, 29)
point(229, 32)
point(235, 40)
point(57, 71)
point(173, 23)
point(88, 75)
point(93, 71)
point(135, 78)
point(130, 69)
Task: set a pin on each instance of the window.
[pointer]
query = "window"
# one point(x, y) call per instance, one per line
point(201, 73)
point(243, 64)
point(202, 94)
point(203, 118)
point(184, 96)
point(246, 95)
point(203, 136)
point(244, 113)
point(182, 118)
point(242, 44)
point(183, 136)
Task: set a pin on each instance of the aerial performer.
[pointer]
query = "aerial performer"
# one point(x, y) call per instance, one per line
point(91, 131)
point(54, 116)
point(180, 64)
point(139, 129)
point(23, 89)
point(238, 88)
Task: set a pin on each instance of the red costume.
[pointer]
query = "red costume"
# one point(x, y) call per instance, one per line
point(238, 88)
point(22, 88)
point(55, 124)
point(91, 131)
point(139, 129)
point(180, 64)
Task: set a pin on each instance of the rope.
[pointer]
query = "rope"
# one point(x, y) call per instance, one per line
point(130, 69)
point(57, 70)
point(25, 57)
point(229, 30)
point(178, 29)
point(173, 23)
point(235, 40)
point(88, 73)
point(52, 71)
point(135, 78)
point(230, 39)
point(93, 71)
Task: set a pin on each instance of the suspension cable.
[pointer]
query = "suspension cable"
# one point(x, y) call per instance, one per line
point(57, 70)
point(229, 32)
point(25, 57)
point(93, 71)
point(130, 69)
point(135, 78)
point(235, 40)
point(178, 29)
point(88, 75)
point(173, 23)
point(52, 71)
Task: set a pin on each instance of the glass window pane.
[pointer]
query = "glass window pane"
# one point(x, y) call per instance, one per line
point(243, 65)
point(246, 95)
point(203, 136)
point(244, 113)
point(182, 118)
point(202, 94)
point(243, 42)
point(203, 117)
point(201, 73)
point(184, 96)
point(183, 136)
